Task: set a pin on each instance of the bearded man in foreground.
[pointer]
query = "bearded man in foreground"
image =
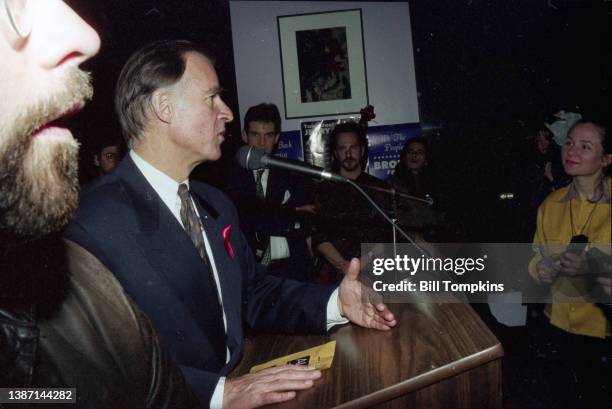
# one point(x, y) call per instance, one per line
point(65, 322)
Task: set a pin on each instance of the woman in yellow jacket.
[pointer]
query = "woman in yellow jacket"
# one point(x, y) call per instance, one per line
point(580, 212)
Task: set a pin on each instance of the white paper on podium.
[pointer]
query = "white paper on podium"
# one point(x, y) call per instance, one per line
point(507, 308)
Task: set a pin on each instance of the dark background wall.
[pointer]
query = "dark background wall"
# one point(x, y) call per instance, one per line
point(489, 72)
point(486, 70)
point(510, 60)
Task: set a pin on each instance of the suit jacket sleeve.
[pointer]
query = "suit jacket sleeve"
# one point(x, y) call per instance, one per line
point(275, 304)
point(120, 223)
point(145, 355)
point(202, 382)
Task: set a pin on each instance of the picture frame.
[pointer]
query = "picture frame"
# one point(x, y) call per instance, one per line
point(323, 63)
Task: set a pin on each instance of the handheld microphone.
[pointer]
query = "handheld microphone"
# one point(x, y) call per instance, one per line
point(252, 158)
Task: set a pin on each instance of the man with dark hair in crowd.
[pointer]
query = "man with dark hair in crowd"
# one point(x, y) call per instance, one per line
point(347, 219)
point(107, 156)
point(176, 244)
point(270, 201)
point(65, 322)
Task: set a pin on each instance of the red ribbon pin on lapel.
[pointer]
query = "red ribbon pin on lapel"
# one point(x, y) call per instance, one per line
point(227, 230)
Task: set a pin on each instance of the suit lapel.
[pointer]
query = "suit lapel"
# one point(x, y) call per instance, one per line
point(228, 268)
point(276, 188)
point(247, 181)
point(160, 236)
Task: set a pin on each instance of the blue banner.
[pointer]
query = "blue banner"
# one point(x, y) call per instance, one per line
point(385, 144)
point(290, 146)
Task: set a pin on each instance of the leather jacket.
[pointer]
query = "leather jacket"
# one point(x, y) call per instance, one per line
point(65, 321)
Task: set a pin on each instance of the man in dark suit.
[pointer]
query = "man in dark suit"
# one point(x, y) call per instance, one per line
point(176, 244)
point(272, 202)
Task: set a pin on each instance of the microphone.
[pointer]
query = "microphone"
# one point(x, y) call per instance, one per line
point(252, 158)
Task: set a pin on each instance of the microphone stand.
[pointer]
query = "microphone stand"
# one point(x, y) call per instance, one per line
point(387, 218)
point(394, 204)
point(428, 200)
point(255, 158)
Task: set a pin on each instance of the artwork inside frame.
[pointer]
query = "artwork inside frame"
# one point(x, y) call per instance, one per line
point(323, 63)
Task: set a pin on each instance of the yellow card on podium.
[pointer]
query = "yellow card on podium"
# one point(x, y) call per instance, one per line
point(320, 357)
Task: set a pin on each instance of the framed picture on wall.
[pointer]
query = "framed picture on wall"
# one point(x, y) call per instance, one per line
point(323, 63)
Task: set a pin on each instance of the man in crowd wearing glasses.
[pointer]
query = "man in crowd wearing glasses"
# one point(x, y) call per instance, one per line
point(65, 322)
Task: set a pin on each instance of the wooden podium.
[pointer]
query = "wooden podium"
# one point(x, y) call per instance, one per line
point(438, 356)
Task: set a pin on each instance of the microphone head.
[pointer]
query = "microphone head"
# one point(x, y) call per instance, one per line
point(250, 157)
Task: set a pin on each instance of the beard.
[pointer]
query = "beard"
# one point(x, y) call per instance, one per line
point(39, 178)
point(350, 165)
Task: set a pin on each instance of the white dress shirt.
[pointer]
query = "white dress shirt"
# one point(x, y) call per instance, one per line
point(167, 189)
point(279, 247)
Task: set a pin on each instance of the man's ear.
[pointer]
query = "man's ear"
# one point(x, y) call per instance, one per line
point(245, 137)
point(96, 161)
point(161, 104)
point(276, 138)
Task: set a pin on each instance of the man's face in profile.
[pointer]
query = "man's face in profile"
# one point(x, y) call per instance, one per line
point(41, 86)
point(200, 114)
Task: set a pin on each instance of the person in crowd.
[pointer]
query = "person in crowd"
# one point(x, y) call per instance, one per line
point(346, 218)
point(578, 213)
point(65, 320)
point(413, 176)
point(271, 202)
point(543, 175)
point(107, 156)
point(176, 244)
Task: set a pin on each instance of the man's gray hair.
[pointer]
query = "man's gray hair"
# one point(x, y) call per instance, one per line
point(154, 66)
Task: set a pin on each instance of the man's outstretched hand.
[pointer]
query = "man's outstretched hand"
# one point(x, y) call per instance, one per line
point(357, 302)
point(271, 385)
point(361, 304)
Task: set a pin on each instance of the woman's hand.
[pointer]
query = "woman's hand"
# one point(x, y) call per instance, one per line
point(573, 264)
point(546, 271)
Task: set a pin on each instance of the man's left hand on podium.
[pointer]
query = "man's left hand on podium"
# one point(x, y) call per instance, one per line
point(362, 305)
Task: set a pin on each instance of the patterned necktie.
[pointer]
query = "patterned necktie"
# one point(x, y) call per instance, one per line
point(258, 183)
point(191, 222)
point(212, 310)
point(265, 259)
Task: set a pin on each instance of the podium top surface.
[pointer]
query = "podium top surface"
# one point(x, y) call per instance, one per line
point(431, 342)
